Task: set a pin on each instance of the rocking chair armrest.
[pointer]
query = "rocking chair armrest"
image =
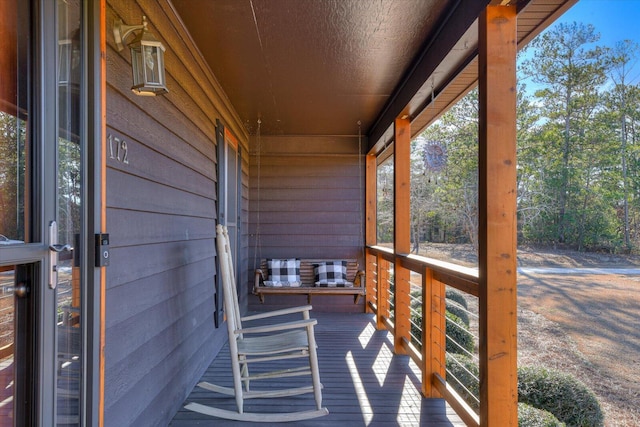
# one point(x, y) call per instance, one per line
point(277, 327)
point(274, 313)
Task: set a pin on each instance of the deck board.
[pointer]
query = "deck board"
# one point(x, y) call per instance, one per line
point(365, 384)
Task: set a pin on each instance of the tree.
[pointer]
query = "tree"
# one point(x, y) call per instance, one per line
point(570, 71)
point(455, 187)
point(622, 101)
point(12, 170)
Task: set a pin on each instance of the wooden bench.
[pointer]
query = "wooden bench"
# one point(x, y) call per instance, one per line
point(307, 280)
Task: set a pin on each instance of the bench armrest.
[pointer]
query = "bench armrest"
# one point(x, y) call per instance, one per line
point(258, 279)
point(359, 279)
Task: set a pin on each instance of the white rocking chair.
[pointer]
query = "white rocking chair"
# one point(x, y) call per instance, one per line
point(288, 340)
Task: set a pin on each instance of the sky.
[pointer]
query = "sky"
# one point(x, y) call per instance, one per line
point(615, 20)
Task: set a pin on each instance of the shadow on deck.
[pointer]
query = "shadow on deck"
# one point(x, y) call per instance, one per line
point(365, 384)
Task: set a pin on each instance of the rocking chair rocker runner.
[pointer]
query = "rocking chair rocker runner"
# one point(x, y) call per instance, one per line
point(280, 341)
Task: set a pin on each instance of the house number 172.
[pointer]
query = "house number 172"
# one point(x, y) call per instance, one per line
point(118, 149)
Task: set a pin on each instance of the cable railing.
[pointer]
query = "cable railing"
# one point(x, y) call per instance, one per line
point(431, 307)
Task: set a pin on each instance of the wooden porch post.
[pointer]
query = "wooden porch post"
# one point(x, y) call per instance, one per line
point(370, 226)
point(497, 217)
point(401, 230)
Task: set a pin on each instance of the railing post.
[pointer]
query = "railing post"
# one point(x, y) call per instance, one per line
point(402, 323)
point(383, 292)
point(370, 280)
point(433, 332)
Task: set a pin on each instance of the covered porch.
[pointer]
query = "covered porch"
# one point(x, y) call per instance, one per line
point(304, 167)
point(308, 117)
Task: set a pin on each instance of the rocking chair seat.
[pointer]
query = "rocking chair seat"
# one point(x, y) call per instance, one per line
point(281, 343)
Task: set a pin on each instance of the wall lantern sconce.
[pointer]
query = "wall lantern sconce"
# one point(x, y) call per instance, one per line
point(147, 58)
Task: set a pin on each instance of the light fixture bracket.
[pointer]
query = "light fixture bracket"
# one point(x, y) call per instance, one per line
point(122, 31)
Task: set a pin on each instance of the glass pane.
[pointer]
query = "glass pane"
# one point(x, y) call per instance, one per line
point(7, 340)
point(68, 216)
point(14, 144)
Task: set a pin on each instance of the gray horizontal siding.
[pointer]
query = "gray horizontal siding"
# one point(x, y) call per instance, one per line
point(161, 217)
point(309, 194)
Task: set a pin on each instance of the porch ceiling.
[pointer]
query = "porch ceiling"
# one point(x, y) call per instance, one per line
point(317, 67)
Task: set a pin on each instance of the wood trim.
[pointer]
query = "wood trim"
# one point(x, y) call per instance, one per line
point(230, 138)
point(497, 217)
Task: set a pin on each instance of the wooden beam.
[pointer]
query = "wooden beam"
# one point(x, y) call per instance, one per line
point(371, 200)
point(370, 233)
point(497, 217)
point(402, 230)
point(451, 28)
point(402, 186)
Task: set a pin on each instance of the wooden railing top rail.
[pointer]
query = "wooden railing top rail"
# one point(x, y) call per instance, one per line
point(462, 278)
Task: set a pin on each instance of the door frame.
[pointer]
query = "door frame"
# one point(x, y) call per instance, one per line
point(43, 131)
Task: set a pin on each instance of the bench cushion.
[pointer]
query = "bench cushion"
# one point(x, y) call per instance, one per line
point(272, 284)
point(331, 273)
point(283, 271)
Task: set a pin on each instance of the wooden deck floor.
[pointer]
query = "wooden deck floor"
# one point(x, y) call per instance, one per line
point(365, 384)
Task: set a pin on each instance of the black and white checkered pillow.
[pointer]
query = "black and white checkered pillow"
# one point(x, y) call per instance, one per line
point(331, 273)
point(283, 270)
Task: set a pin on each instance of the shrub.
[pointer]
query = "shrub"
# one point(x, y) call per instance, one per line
point(561, 394)
point(466, 372)
point(416, 299)
point(457, 332)
point(416, 323)
point(454, 308)
point(546, 398)
point(528, 416)
point(457, 297)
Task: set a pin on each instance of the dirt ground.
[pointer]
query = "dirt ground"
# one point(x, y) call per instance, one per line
point(584, 324)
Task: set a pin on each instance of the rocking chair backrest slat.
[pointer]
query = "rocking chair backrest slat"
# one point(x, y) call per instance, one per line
point(231, 307)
